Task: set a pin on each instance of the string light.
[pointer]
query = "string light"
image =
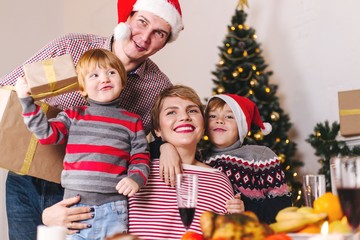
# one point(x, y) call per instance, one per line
point(206, 138)
point(240, 26)
point(251, 92)
point(254, 36)
point(267, 90)
point(240, 69)
point(287, 141)
point(235, 74)
point(232, 28)
point(253, 67)
point(245, 54)
point(230, 50)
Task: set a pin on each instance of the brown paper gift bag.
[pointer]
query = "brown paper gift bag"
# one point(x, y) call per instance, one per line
point(349, 112)
point(51, 77)
point(20, 151)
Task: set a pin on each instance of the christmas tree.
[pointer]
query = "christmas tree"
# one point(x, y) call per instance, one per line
point(326, 146)
point(242, 71)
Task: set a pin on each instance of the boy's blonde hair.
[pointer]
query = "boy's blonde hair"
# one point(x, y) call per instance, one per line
point(180, 91)
point(98, 58)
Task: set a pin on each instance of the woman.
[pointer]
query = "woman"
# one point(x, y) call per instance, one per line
point(177, 118)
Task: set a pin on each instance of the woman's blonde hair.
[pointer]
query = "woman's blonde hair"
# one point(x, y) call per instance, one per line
point(180, 91)
point(98, 58)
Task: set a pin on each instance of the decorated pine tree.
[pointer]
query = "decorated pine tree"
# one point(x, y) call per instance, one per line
point(242, 70)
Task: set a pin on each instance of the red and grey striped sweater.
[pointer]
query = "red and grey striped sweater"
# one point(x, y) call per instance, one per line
point(104, 145)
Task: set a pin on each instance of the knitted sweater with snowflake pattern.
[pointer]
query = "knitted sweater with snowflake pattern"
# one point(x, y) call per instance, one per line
point(255, 172)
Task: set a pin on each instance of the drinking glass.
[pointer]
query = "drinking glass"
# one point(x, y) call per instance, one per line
point(313, 186)
point(346, 178)
point(186, 191)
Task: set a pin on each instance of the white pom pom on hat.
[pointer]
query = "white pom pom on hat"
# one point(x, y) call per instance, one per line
point(169, 10)
point(246, 113)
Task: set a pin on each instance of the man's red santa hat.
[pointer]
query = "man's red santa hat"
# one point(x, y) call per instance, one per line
point(169, 10)
point(246, 113)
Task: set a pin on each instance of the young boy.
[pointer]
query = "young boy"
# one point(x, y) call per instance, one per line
point(253, 170)
point(107, 156)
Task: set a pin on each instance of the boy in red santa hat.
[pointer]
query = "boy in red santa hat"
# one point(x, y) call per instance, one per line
point(254, 171)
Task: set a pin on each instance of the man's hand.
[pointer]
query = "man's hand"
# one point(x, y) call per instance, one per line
point(60, 214)
point(235, 205)
point(22, 87)
point(170, 164)
point(127, 187)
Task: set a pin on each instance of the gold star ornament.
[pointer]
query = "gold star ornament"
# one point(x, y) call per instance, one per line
point(242, 4)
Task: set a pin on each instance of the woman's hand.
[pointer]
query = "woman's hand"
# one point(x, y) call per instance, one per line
point(235, 205)
point(22, 87)
point(170, 164)
point(127, 187)
point(60, 214)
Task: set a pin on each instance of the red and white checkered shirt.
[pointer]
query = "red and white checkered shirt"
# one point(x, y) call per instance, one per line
point(144, 83)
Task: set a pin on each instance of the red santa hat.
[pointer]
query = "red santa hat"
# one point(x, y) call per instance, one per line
point(169, 10)
point(246, 113)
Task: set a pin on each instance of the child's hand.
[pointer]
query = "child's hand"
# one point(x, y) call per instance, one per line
point(127, 187)
point(235, 205)
point(22, 87)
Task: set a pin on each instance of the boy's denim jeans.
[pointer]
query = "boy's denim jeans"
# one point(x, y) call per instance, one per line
point(110, 218)
point(26, 198)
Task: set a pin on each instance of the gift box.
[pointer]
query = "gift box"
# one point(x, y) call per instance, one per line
point(51, 77)
point(20, 150)
point(349, 112)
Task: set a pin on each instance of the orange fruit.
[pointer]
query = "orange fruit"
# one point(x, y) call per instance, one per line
point(311, 228)
point(189, 235)
point(330, 204)
point(278, 236)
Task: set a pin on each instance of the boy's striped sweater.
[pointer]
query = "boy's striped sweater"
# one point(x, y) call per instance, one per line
point(104, 145)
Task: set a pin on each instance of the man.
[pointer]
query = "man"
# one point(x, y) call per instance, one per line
point(145, 26)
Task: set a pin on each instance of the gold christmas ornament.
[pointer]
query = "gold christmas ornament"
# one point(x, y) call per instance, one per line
point(287, 141)
point(318, 134)
point(277, 139)
point(206, 138)
point(267, 90)
point(275, 116)
point(245, 54)
point(240, 26)
point(249, 134)
point(253, 67)
point(282, 157)
point(257, 50)
point(259, 136)
point(240, 69)
point(251, 92)
point(232, 28)
point(230, 50)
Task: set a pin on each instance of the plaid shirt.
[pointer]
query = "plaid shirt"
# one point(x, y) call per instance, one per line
point(144, 83)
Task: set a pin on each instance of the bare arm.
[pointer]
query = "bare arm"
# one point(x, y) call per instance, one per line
point(170, 164)
point(60, 214)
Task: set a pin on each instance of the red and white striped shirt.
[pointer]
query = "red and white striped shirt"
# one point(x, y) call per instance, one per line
point(153, 211)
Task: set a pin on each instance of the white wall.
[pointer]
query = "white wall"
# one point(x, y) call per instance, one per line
point(311, 45)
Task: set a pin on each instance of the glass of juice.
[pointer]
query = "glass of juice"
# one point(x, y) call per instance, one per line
point(345, 174)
